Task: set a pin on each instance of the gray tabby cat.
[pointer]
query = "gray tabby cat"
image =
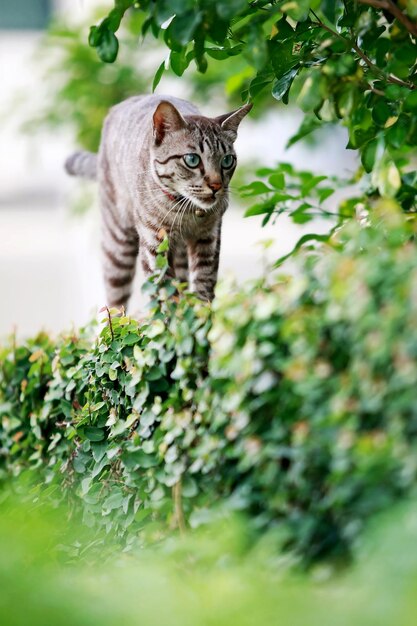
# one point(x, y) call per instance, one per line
point(161, 166)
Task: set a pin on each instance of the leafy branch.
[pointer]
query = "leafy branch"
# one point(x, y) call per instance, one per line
point(391, 7)
point(354, 45)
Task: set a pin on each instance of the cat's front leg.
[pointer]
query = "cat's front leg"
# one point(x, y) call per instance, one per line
point(203, 260)
point(180, 261)
point(150, 239)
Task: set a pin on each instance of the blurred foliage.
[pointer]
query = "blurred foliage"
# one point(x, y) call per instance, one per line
point(351, 62)
point(292, 400)
point(81, 88)
point(210, 578)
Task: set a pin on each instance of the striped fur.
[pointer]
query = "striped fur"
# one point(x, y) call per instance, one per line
point(161, 166)
point(82, 164)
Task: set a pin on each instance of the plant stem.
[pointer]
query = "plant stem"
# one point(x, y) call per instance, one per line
point(179, 514)
point(110, 323)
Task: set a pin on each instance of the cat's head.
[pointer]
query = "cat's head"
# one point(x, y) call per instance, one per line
point(193, 156)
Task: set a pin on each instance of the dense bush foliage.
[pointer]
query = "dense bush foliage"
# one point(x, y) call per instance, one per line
point(293, 400)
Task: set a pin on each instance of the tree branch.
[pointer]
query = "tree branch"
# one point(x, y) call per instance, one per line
point(391, 7)
point(388, 77)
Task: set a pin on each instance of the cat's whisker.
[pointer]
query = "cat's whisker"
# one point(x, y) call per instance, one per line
point(164, 218)
point(179, 205)
point(186, 206)
point(170, 211)
point(181, 202)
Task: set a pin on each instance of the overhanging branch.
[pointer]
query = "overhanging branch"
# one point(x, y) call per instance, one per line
point(391, 7)
point(390, 78)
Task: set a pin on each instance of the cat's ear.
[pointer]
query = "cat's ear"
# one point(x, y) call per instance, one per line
point(231, 121)
point(166, 119)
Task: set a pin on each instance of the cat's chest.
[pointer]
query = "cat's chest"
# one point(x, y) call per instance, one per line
point(181, 220)
point(190, 224)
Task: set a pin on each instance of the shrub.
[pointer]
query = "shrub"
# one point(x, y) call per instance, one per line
point(293, 400)
point(206, 578)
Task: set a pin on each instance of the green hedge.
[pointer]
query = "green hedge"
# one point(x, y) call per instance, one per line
point(293, 399)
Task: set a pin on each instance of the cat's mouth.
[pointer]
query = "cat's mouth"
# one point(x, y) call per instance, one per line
point(206, 201)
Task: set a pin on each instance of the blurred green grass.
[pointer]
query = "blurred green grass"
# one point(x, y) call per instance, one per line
point(210, 578)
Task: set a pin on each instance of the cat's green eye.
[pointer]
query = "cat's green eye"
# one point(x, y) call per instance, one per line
point(227, 161)
point(192, 160)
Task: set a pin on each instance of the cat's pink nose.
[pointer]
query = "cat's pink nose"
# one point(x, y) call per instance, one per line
point(214, 185)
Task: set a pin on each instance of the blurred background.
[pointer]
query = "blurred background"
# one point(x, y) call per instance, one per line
point(54, 95)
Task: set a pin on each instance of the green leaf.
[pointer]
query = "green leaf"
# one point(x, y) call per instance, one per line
point(410, 103)
point(145, 460)
point(277, 180)
point(178, 62)
point(93, 433)
point(260, 82)
point(324, 193)
point(304, 239)
point(297, 10)
point(329, 10)
point(156, 328)
point(231, 8)
point(256, 49)
point(131, 339)
point(284, 30)
point(224, 53)
point(154, 373)
point(381, 112)
point(254, 189)
point(345, 100)
point(283, 84)
point(158, 75)
point(395, 92)
point(163, 246)
point(189, 487)
point(260, 209)
point(310, 96)
point(94, 36)
point(113, 374)
point(387, 178)
point(108, 46)
point(309, 182)
point(114, 500)
point(396, 135)
point(412, 8)
point(368, 155)
point(98, 450)
point(183, 26)
point(406, 53)
point(301, 215)
point(220, 54)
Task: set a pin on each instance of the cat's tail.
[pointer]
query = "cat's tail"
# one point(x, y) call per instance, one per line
point(82, 164)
